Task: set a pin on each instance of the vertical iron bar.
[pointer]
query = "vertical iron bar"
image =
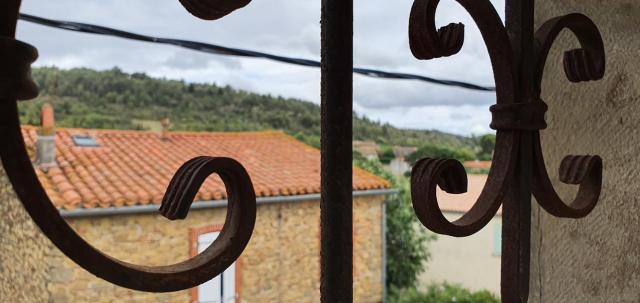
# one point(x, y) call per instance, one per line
point(516, 228)
point(336, 254)
point(8, 17)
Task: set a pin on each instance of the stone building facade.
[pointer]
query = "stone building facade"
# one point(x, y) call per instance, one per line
point(23, 268)
point(280, 264)
point(108, 184)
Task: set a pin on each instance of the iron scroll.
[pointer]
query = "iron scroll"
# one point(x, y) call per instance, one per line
point(518, 118)
point(241, 214)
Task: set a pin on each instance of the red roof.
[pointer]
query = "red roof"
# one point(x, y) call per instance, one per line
point(134, 167)
point(477, 164)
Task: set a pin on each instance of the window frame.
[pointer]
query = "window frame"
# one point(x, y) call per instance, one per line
point(194, 234)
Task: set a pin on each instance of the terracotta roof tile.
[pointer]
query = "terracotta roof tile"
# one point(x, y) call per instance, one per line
point(477, 164)
point(134, 167)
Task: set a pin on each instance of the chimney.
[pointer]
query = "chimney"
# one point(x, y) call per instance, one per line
point(165, 123)
point(45, 142)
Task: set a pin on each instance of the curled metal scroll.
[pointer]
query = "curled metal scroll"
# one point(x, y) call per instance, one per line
point(517, 122)
point(583, 64)
point(509, 118)
point(426, 43)
point(213, 9)
point(16, 83)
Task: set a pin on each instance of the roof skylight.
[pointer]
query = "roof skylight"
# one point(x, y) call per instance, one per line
point(85, 141)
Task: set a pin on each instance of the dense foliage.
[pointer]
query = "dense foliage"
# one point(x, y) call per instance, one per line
point(385, 154)
point(113, 99)
point(441, 152)
point(486, 144)
point(407, 250)
point(442, 293)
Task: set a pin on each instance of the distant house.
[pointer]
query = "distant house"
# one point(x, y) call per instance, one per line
point(108, 184)
point(474, 261)
point(368, 149)
point(399, 165)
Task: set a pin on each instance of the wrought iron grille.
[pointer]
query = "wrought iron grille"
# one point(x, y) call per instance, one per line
point(518, 56)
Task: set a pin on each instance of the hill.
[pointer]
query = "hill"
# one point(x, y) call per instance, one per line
point(114, 99)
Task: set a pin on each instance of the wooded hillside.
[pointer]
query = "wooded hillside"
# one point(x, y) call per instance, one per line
point(114, 99)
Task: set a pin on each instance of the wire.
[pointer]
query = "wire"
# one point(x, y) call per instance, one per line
point(228, 51)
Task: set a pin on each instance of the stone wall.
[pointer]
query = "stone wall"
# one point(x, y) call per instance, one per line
point(594, 259)
point(23, 250)
point(280, 264)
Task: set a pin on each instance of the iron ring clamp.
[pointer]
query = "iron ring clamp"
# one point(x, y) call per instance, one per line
point(16, 84)
point(510, 119)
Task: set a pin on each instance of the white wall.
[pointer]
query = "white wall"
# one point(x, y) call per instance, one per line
point(469, 261)
point(398, 167)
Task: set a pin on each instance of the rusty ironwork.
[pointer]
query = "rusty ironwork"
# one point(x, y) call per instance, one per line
point(518, 57)
point(212, 9)
point(241, 213)
point(336, 248)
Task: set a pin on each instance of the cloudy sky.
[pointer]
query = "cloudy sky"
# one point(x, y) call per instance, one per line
point(286, 27)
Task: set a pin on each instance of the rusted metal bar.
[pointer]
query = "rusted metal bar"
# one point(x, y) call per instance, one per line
point(516, 231)
point(336, 254)
point(516, 211)
point(8, 17)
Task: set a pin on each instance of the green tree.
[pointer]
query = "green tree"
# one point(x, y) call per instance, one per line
point(385, 154)
point(487, 144)
point(196, 107)
point(442, 293)
point(407, 251)
point(440, 152)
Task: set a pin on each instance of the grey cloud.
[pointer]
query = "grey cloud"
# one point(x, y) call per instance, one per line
point(282, 27)
point(460, 116)
point(376, 94)
point(190, 60)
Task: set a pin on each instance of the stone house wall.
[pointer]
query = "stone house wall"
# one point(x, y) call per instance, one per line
point(281, 262)
point(23, 270)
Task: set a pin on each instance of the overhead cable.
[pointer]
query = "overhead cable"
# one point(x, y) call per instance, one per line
point(229, 51)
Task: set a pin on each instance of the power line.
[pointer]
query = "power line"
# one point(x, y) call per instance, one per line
point(228, 51)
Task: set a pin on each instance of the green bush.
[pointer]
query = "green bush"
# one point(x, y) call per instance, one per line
point(486, 144)
point(407, 249)
point(385, 154)
point(441, 293)
point(477, 171)
point(441, 152)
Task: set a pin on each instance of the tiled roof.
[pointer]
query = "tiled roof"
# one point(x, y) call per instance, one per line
point(134, 167)
point(477, 164)
point(461, 203)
